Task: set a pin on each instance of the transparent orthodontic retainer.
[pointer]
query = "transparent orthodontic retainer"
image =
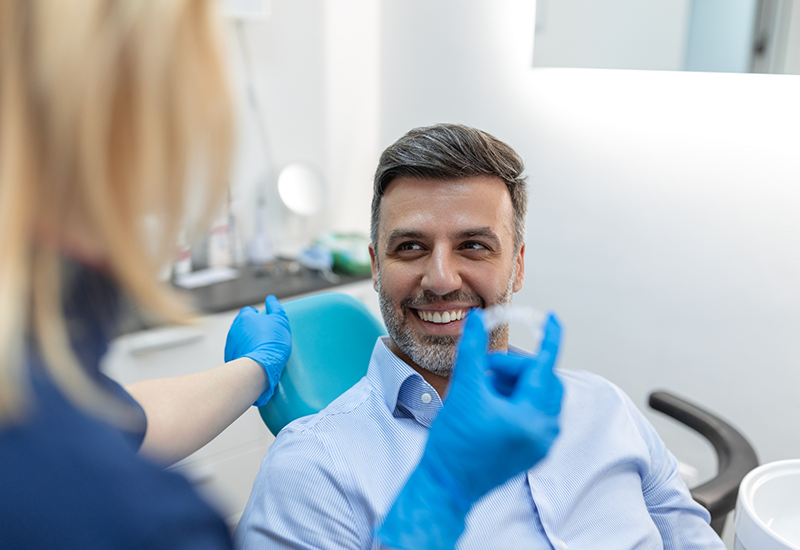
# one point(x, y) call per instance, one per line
point(496, 316)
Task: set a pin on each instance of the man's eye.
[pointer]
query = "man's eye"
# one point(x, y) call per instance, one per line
point(405, 247)
point(474, 246)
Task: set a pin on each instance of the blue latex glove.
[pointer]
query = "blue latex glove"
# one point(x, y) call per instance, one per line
point(499, 419)
point(266, 339)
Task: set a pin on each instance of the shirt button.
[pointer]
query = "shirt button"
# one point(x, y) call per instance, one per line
point(564, 545)
point(426, 398)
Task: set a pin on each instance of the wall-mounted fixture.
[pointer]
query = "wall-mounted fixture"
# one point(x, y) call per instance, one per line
point(759, 36)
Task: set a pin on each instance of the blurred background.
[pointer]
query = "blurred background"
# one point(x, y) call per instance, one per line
point(662, 145)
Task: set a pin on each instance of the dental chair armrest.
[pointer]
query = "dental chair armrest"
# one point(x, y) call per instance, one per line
point(735, 455)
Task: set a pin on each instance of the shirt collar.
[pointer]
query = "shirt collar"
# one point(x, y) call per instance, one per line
point(404, 390)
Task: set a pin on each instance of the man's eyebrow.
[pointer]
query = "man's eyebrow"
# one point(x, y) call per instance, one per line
point(484, 232)
point(401, 235)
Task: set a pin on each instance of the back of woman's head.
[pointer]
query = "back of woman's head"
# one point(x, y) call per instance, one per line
point(107, 108)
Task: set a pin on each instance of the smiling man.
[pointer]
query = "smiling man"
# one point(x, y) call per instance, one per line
point(448, 228)
point(441, 248)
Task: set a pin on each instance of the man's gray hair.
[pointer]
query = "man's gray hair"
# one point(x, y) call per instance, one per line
point(452, 151)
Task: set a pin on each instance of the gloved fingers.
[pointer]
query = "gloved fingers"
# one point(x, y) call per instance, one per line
point(272, 305)
point(549, 352)
point(539, 380)
point(275, 311)
point(506, 363)
point(504, 370)
point(471, 355)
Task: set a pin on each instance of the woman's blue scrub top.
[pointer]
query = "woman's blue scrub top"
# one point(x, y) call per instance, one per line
point(70, 480)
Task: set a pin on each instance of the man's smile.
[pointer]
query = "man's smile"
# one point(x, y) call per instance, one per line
point(442, 316)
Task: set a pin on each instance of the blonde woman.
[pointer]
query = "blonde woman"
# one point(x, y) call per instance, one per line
point(107, 108)
point(115, 129)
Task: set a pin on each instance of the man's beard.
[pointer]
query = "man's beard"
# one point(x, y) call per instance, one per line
point(435, 353)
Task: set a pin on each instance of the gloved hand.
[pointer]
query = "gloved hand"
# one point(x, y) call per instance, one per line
point(499, 419)
point(264, 338)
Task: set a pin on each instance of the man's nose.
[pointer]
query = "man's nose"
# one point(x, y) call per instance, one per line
point(441, 273)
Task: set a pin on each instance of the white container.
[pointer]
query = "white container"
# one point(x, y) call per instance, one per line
point(768, 508)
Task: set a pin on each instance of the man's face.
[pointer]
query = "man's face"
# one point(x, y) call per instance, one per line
point(443, 248)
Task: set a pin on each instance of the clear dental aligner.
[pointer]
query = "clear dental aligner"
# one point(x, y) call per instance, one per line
point(499, 315)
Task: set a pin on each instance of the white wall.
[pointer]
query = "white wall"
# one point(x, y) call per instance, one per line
point(352, 54)
point(668, 225)
point(663, 225)
point(315, 71)
point(289, 79)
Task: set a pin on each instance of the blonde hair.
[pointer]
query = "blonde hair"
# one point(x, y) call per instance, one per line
point(107, 107)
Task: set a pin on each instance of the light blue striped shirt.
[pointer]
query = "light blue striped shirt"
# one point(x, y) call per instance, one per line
point(608, 481)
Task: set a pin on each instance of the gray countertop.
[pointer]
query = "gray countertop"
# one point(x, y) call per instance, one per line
point(252, 286)
point(255, 284)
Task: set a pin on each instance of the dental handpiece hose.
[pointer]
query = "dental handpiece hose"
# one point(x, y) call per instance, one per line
point(500, 419)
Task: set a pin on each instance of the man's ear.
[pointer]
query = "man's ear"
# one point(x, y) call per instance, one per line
point(374, 263)
point(520, 269)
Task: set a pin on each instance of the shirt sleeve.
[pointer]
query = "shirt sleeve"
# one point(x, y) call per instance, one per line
point(298, 500)
point(682, 522)
point(71, 480)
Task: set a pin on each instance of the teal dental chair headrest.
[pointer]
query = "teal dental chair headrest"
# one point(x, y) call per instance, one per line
point(333, 336)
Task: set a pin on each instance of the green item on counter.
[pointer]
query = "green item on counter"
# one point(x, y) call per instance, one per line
point(350, 252)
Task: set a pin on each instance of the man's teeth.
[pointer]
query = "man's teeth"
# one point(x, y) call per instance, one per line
point(446, 317)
